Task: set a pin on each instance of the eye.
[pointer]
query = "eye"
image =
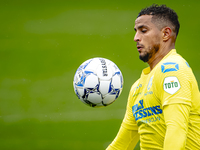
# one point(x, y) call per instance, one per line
point(144, 30)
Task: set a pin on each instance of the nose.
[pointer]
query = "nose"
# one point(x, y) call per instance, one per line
point(136, 37)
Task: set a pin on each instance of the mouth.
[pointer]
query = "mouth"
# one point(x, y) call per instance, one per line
point(139, 47)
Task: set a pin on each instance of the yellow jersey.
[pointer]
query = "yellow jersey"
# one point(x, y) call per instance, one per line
point(170, 82)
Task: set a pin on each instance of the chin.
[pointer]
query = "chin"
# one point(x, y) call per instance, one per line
point(144, 58)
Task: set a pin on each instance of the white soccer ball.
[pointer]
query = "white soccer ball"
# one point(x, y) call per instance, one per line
point(98, 82)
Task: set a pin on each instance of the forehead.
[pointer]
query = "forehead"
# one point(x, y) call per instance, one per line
point(144, 20)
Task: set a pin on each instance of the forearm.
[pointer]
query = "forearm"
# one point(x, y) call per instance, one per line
point(177, 124)
point(125, 140)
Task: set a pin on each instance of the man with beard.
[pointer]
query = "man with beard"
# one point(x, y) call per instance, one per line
point(163, 109)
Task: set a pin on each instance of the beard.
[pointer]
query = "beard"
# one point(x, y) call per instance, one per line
point(145, 57)
point(148, 54)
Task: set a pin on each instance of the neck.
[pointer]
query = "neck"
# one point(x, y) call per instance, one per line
point(158, 56)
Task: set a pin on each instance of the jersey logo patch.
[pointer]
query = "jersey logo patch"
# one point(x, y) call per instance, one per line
point(169, 66)
point(171, 85)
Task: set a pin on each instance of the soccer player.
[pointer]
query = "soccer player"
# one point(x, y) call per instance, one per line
point(163, 109)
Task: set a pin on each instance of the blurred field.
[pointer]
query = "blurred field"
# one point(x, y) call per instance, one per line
point(42, 45)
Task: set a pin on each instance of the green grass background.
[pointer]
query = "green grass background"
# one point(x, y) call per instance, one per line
point(42, 43)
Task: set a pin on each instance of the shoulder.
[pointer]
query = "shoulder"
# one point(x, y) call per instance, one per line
point(173, 71)
point(174, 64)
point(173, 80)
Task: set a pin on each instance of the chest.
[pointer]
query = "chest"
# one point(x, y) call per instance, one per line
point(145, 104)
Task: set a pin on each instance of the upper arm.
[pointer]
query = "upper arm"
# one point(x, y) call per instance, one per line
point(129, 120)
point(127, 136)
point(176, 119)
point(176, 115)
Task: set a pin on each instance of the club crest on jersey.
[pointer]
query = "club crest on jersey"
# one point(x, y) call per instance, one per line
point(150, 83)
point(171, 85)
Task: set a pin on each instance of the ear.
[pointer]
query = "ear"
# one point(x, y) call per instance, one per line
point(166, 31)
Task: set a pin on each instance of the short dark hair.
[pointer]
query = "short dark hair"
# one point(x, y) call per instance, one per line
point(162, 13)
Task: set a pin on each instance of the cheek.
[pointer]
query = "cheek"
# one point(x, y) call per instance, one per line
point(149, 43)
point(152, 44)
point(151, 40)
point(154, 40)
